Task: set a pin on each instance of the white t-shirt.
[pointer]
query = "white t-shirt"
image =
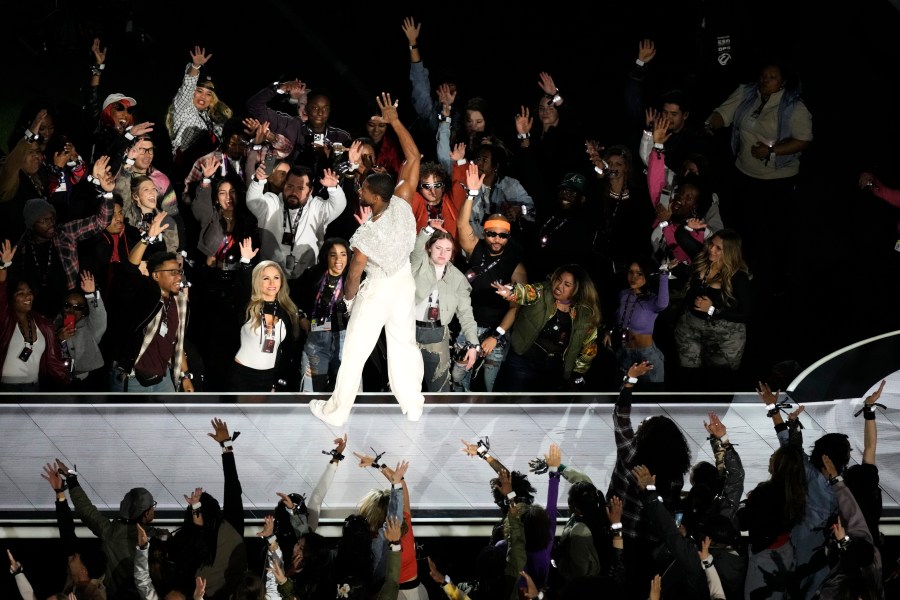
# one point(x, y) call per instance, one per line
point(18, 371)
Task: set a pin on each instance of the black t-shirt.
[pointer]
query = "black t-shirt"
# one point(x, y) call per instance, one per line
point(483, 269)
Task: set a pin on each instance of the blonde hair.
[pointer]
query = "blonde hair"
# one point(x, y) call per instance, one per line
point(255, 306)
point(373, 507)
point(732, 261)
point(218, 112)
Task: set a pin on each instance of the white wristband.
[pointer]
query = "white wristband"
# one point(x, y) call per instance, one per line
point(511, 495)
point(196, 506)
point(639, 62)
point(770, 407)
point(711, 310)
point(724, 439)
point(501, 331)
point(615, 526)
point(651, 488)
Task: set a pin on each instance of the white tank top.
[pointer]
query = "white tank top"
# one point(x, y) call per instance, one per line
point(253, 341)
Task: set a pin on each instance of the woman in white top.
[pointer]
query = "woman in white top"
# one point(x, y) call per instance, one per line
point(271, 325)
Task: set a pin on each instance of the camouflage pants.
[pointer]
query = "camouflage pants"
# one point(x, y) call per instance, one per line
point(711, 343)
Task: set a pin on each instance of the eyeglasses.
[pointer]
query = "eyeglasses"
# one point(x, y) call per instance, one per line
point(433, 186)
point(497, 234)
point(121, 107)
point(175, 271)
point(75, 307)
point(149, 150)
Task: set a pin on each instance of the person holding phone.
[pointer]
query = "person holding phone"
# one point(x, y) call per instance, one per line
point(80, 326)
point(29, 350)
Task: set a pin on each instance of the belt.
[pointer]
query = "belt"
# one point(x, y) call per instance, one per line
point(428, 324)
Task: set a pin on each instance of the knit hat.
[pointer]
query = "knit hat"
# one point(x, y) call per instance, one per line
point(35, 209)
point(135, 503)
point(573, 181)
point(119, 98)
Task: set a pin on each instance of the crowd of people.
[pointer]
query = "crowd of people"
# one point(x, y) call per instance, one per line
point(665, 527)
point(545, 261)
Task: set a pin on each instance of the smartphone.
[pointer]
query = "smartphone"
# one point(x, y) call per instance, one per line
point(678, 517)
point(69, 321)
point(269, 163)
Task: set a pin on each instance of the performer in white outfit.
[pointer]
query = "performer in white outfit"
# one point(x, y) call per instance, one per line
point(381, 248)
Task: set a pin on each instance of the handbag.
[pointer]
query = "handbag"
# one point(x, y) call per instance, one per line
point(147, 379)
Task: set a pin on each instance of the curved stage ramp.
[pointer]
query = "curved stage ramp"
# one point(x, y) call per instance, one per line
point(160, 442)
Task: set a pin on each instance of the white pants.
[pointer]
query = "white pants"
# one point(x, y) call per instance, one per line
point(390, 303)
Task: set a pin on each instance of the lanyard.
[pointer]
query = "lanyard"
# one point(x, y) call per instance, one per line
point(335, 296)
point(292, 225)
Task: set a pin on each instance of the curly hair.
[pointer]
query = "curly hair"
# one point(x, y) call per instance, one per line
point(432, 169)
point(661, 446)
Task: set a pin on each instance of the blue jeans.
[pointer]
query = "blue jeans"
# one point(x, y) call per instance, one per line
point(321, 359)
point(628, 356)
point(462, 378)
point(131, 385)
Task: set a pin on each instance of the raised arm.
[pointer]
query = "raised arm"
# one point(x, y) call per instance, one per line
point(321, 489)
point(232, 504)
point(870, 431)
point(408, 179)
point(481, 450)
point(731, 466)
point(465, 234)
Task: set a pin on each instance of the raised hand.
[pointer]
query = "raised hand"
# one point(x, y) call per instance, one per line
point(7, 252)
point(838, 529)
point(354, 152)
point(88, 285)
point(411, 29)
point(340, 444)
point(695, 223)
point(268, 527)
point(643, 477)
point(704, 548)
point(503, 290)
point(38, 121)
point(51, 474)
point(661, 129)
point(469, 449)
point(396, 475)
point(142, 128)
point(795, 414)
point(364, 459)
point(458, 152)
point(99, 55)
point(614, 509)
point(194, 498)
point(15, 565)
point(142, 538)
point(103, 174)
point(250, 125)
point(866, 180)
point(220, 430)
point(363, 214)
point(446, 95)
point(156, 225)
point(200, 588)
point(766, 394)
point(247, 250)
point(640, 369)
point(554, 456)
point(329, 179)
point(474, 181)
point(210, 165)
point(199, 57)
point(650, 115)
point(546, 84)
point(524, 120)
point(277, 570)
point(715, 427)
point(261, 134)
point(874, 396)
point(392, 528)
point(388, 108)
point(828, 468)
point(646, 50)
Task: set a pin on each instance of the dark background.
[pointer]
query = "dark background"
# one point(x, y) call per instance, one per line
point(845, 274)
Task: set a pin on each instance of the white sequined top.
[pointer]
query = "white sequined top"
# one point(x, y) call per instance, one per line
point(388, 241)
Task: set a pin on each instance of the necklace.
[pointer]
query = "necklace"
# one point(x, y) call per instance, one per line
point(623, 195)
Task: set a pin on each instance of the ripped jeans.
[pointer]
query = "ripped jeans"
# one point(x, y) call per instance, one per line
point(436, 358)
point(462, 379)
point(321, 359)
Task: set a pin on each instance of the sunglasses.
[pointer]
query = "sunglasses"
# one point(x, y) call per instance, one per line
point(120, 107)
point(497, 234)
point(75, 307)
point(433, 186)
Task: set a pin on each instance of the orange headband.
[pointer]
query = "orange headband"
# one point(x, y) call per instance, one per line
point(497, 224)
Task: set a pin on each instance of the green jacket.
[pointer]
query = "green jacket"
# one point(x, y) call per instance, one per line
point(539, 307)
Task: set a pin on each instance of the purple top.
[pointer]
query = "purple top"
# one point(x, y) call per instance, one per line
point(638, 314)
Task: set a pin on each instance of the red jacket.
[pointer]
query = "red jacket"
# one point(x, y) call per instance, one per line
point(454, 196)
point(52, 365)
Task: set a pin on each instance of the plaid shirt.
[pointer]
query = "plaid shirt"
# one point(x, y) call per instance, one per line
point(69, 234)
point(622, 484)
point(189, 123)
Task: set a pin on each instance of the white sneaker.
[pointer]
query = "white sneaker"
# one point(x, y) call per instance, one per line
point(317, 407)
